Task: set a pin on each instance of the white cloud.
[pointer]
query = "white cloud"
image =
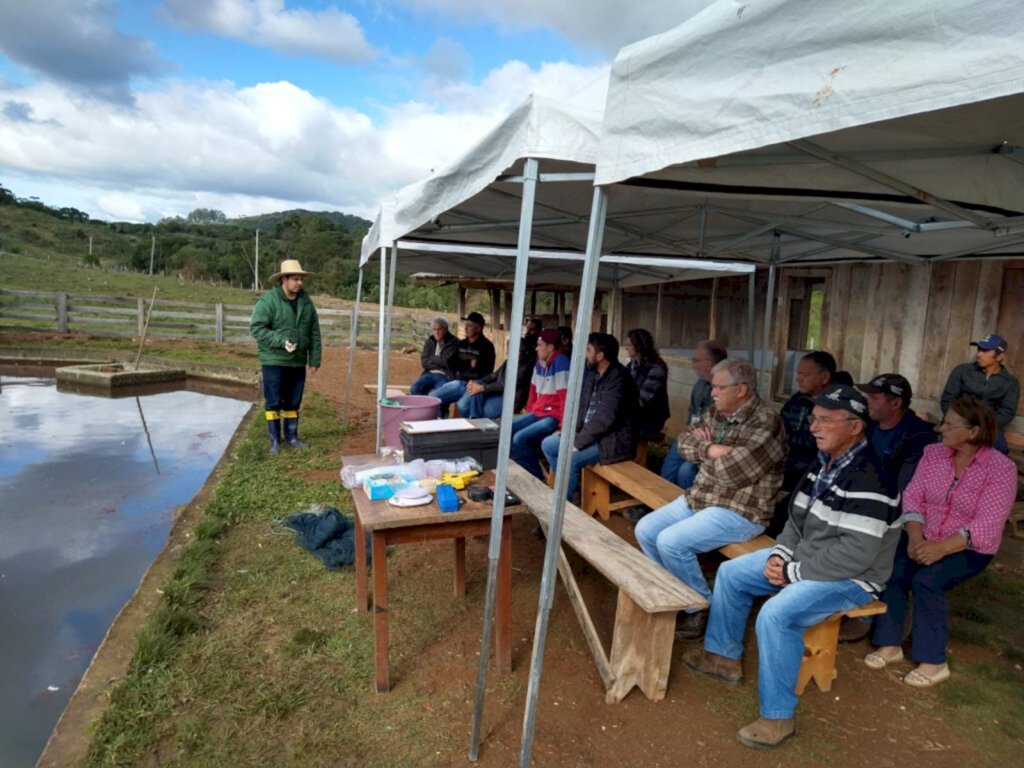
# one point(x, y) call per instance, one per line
point(267, 147)
point(330, 33)
point(604, 24)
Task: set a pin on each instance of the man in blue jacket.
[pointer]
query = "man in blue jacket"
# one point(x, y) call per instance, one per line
point(834, 554)
point(287, 330)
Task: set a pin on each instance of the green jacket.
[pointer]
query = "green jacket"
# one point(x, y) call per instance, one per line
point(274, 322)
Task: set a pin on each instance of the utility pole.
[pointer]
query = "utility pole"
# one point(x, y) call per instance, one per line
point(256, 274)
point(152, 251)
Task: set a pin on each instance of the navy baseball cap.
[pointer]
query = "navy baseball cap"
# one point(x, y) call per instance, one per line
point(992, 341)
point(889, 383)
point(840, 397)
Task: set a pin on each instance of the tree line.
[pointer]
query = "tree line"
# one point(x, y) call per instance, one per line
point(207, 245)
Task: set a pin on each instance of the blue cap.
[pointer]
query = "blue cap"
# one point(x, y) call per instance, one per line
point(992, 341)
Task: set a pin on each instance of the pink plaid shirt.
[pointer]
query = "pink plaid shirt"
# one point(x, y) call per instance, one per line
point(977, 503)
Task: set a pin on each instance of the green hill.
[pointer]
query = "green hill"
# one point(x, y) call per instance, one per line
point(193, 250)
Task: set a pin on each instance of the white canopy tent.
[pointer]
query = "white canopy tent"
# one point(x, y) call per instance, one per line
point(777, 131)
point(464, 220)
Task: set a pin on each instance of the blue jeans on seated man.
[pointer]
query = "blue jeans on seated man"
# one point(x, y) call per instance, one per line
point(427, 381)
point(577, 461)
point(780, 624)
point(448, 393)
point(528, 431)
point(673, 536)
point(479, 406)
point(678, 470)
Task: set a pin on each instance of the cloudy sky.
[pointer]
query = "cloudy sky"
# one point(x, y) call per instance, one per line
point(139, 109)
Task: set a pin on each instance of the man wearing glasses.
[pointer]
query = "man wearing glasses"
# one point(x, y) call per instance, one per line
point(741, 448)
point(834, 554)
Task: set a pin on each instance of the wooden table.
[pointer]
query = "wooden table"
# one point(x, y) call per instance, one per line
point(389, 525)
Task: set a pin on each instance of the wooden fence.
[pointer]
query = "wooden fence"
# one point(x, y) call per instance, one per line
point(126, 317)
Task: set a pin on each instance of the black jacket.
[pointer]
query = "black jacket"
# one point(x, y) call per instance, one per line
point(611, 426)
point(905, 447)
point(461, 363)
point(494, 383)
point(801, 448)
point(434, 356)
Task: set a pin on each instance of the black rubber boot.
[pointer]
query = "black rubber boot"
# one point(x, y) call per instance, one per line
point(274, 428)
point(291, 433)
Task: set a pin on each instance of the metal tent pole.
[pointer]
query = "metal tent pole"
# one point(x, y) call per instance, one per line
point(352, 336)
point(381, 354)
point(595, 236)
point(769, 301)
point(751, 312)
point(508, 397)
point(389, 312)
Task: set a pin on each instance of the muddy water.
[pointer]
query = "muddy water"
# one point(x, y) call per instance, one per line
point(88, 487)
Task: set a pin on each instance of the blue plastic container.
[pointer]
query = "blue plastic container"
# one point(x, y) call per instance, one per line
point(447, 499)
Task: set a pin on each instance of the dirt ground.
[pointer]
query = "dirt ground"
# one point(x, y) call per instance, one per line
point(868, 719)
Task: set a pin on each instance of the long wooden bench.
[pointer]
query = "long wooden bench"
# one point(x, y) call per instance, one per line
point(649, 597)
point(644, 487)
point(820, 641)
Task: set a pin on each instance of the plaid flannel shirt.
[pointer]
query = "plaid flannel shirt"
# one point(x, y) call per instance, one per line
point(747, 478)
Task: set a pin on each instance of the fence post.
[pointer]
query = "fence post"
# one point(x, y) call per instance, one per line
point(142, 315)
point(62, 313)
point(218, 311)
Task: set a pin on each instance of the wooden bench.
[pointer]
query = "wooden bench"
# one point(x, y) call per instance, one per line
point(645, 487)
point(392, 390)
point(820, 641)
point(649, 597)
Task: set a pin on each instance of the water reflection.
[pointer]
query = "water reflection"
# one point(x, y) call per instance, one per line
point(88, 487)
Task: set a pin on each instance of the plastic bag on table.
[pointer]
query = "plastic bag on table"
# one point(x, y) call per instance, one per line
point(355, 476)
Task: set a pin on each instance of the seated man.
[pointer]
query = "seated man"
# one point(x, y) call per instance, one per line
point(814, 372)
point(834, 554)
point(741, 448)
point(438, 347)
point(545, 405)
point(988, 380)
point(472, 359)
point(604, 426)
point(484, 396)
point(706, 356)
point(898, 436)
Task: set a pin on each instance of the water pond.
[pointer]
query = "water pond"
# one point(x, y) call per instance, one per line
point(88, 489)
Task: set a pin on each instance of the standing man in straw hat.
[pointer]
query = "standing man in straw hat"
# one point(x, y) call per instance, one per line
point(285, 324)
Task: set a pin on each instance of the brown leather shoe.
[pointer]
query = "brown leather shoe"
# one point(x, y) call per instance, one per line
point(725, 669)
point(766, 733)
point(691, 626)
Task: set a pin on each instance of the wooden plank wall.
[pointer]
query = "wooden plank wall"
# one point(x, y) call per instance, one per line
point(920, 320)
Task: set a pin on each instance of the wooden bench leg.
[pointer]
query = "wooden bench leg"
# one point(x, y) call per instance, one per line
point(596, 494)
point(641, 650)
point(820, 644)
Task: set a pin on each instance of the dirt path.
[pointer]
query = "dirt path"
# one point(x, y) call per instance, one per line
point(869, 719)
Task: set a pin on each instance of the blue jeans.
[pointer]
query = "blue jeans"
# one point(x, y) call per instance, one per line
point(577, 461)
point(780, 624)
point(929, 583)
point(283, 386)
point(448, 393)
point(479, 406)
point(427, 381)
point(528, 430)
point(678, 470)
point(674, 535)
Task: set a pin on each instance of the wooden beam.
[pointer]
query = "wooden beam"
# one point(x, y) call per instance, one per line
point(712, 310)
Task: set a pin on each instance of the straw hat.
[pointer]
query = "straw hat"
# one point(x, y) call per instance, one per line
point(288, 267)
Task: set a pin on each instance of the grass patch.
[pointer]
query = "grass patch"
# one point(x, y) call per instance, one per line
point(255, 654)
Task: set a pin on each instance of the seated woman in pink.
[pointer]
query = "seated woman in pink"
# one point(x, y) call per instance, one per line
point(954, 510)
